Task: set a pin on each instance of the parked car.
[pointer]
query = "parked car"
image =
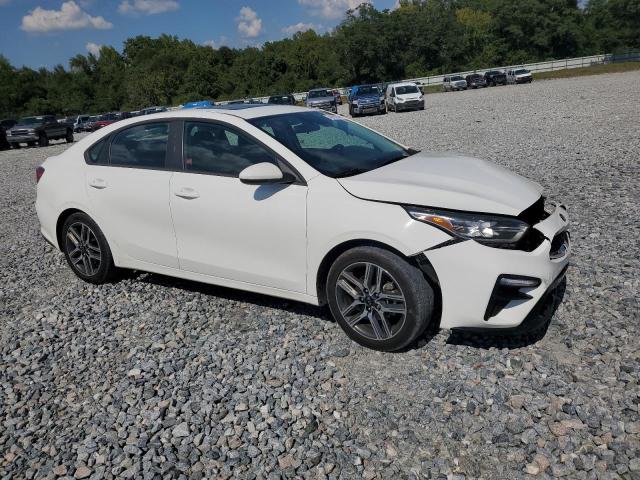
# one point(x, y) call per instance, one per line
point(495, 77)
point(89, 126)
point(365, 99)
point(5, 125)
point(150, 110)
point(311, 207)
point(404, 96)
point(79, 122)
point(454, 82)
point(519, 75)
point(104, 120)
point(338, 97)
point(475, 80)
point(39, 130)
point(322, 98)
point(282, 100)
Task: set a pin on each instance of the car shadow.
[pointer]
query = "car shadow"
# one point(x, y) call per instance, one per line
point(258, 299)
point(541, 315)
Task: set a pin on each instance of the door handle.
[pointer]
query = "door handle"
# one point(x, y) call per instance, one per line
point(98, 183)
point(186, 192)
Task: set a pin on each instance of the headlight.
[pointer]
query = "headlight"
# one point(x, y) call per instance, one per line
point(355, 102)
point(400, 99)
point(486, 229)
point(381, 98)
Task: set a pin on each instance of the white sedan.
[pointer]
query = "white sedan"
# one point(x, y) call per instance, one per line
point(310, 206)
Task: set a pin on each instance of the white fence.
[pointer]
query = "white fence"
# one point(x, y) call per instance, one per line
point(547, 66)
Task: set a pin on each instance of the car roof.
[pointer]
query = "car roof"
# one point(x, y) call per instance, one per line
point(246, 111)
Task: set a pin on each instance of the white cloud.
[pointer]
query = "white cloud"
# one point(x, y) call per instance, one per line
point(69, 17)
point(93, 48)
point(249, 24)
point(301, 27)
point(148, 7)
point(331, 9)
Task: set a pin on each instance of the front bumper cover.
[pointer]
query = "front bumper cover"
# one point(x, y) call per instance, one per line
point(22, 138)
point(467, 273)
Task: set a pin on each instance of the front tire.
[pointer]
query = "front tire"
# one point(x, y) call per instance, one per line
point(379, 299)
point(43, 140)
point(69, 136)
point(86, 249)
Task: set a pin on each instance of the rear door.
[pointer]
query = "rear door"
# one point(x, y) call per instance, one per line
point(127, 181)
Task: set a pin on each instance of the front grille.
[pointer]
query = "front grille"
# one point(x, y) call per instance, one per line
point(19, 132)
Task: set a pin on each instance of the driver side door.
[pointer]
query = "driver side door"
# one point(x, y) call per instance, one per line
point(254, 234)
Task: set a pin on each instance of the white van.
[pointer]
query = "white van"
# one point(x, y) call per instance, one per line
point(404, 96)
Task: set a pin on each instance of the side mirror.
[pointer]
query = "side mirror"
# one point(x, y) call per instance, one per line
point(263, 173)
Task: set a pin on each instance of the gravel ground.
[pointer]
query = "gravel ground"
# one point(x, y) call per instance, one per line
point(156, 378)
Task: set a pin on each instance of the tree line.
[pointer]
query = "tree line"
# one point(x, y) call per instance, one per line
point(420, 38)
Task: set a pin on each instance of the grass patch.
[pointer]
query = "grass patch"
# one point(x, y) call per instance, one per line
point(591, 70)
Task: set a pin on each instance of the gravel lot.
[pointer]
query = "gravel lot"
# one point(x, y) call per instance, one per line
point(156, 378)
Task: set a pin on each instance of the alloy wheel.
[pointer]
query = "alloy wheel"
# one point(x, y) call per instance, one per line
point(371, 301)
point(83, 249)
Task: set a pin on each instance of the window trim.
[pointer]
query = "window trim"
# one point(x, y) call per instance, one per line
point(169, 160)
point(288, 168)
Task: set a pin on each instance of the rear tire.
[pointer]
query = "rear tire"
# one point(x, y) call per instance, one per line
point(379, 299)
point(69, 136)
point(86, 249)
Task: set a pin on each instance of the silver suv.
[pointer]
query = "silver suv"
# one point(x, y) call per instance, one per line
point(454, 82)
point(322, 98)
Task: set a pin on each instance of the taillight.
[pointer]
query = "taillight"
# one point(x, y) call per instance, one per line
point(39, 173)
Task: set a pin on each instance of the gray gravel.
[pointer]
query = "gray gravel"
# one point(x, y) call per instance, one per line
point(156, 378)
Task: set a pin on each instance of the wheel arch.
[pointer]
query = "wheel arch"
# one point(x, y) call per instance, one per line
point(60, 222)
point(420, 261)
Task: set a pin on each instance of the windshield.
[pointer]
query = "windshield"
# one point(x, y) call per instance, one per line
point(368, 90)
point(320, 93)
point(403, 90)
point(31, 120)
point(456, 77)
point(108, 116)
point(332, 145)
point(520, 72)
point(494, 72)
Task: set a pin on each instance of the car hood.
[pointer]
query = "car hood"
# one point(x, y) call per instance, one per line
point(448, 181)
point(368, 96)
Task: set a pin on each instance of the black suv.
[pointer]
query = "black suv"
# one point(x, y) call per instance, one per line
point(495, 77)
point(282, 100)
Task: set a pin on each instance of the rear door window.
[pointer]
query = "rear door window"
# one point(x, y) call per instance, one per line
point(141, 146)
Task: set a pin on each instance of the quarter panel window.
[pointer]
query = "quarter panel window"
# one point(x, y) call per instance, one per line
point(220, 150)
point(141, 146)
point(97, 153)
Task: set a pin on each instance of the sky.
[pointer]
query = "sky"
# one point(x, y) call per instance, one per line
point(44, 33)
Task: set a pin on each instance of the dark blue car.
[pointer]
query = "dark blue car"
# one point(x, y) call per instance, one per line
point(365, 99)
